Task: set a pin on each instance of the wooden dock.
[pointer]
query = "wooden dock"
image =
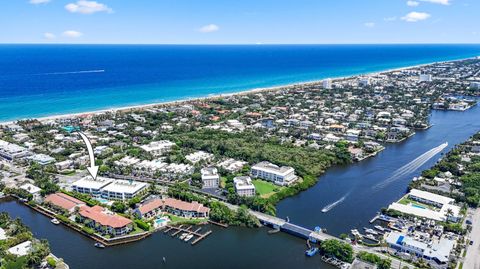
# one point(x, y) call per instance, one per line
point(188, 230)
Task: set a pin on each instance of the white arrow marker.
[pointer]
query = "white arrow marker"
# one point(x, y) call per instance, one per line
point(93, 169)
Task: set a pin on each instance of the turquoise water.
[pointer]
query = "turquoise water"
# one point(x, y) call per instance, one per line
point(44, 80)
point(418, 206)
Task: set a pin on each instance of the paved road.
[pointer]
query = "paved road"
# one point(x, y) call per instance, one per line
point(472, 259)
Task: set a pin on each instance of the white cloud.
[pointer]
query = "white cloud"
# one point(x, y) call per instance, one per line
point(87, 7)
point(416, 16)
point(441, 2)
point(38, 2)
point(209, 28)
point(72, 34)
point(412, 3)
point(369, 24)
point(49, 36)
point(390, 19)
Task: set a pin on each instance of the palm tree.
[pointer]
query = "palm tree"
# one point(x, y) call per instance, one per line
point(449, 214)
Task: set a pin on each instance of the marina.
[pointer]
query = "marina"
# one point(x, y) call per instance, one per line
point(186, 233)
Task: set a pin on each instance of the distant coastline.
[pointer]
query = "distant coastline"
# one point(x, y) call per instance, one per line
point(216, 96)
point(142, 104)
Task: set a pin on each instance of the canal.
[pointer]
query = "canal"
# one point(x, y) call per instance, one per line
point(254, 248)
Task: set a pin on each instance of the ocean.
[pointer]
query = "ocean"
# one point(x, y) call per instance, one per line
point(46, 80)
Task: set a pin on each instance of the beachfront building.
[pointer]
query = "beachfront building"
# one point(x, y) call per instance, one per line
point(327, 84)
point(158, 148)
point(123, 189)
point(210, 178)
point(279, 175)
point(88, 185)
point(185, 209)
point(150, 209)
point(64, 202)
point(244, 186)
point(428, 205)
point(436, 250)
point(104, 221)
point(11, 152)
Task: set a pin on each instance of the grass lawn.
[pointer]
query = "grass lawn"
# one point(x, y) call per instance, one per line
point(223, 181)
point(264, 188)
point(405, 201)
point(179, 220)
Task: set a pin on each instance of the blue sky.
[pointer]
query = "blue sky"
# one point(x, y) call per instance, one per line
point(239, 21)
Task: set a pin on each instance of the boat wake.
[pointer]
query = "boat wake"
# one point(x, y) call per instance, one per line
point(411, 166)
point(334, 204)
point(72, 72)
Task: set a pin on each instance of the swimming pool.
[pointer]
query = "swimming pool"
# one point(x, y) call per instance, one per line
point(160, 221)
point(418, 206)
point(103, 201)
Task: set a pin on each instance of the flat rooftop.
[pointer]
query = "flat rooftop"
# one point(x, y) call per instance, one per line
point(89, 183)
point(125, 186)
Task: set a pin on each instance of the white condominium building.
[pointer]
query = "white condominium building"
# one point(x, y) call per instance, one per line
point(87, 185)
point(279, 175)
point(244, 186)
point(123, 189)
point(210, 178)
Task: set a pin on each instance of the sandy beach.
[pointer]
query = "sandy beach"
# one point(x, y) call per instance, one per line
point(216, 96)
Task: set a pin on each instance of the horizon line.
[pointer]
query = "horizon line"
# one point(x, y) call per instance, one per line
point(237, 44)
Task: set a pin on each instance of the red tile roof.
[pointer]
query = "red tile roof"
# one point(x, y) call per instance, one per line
point(151, 205)
point(186, 206)
point(64, 201)
point(101, 216)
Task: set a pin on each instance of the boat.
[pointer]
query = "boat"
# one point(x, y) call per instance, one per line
point(311, 252)
point(99, 245)
point(188, 237)
point(356, 233)
point(371, 237)
point(183, 235)
point(55, 221)
point(380, 228)
point(370, 231)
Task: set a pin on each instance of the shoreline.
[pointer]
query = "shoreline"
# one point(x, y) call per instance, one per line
point(216, 96)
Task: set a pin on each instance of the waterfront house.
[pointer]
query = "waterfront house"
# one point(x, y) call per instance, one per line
point(279, 175)
point(185, 209)
point(21, 249)
point(63, 202)
point(104, 221)
point(33, 190)
point(430, 206)
point(150, 208)
point(244, 186)
point(210, 178)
